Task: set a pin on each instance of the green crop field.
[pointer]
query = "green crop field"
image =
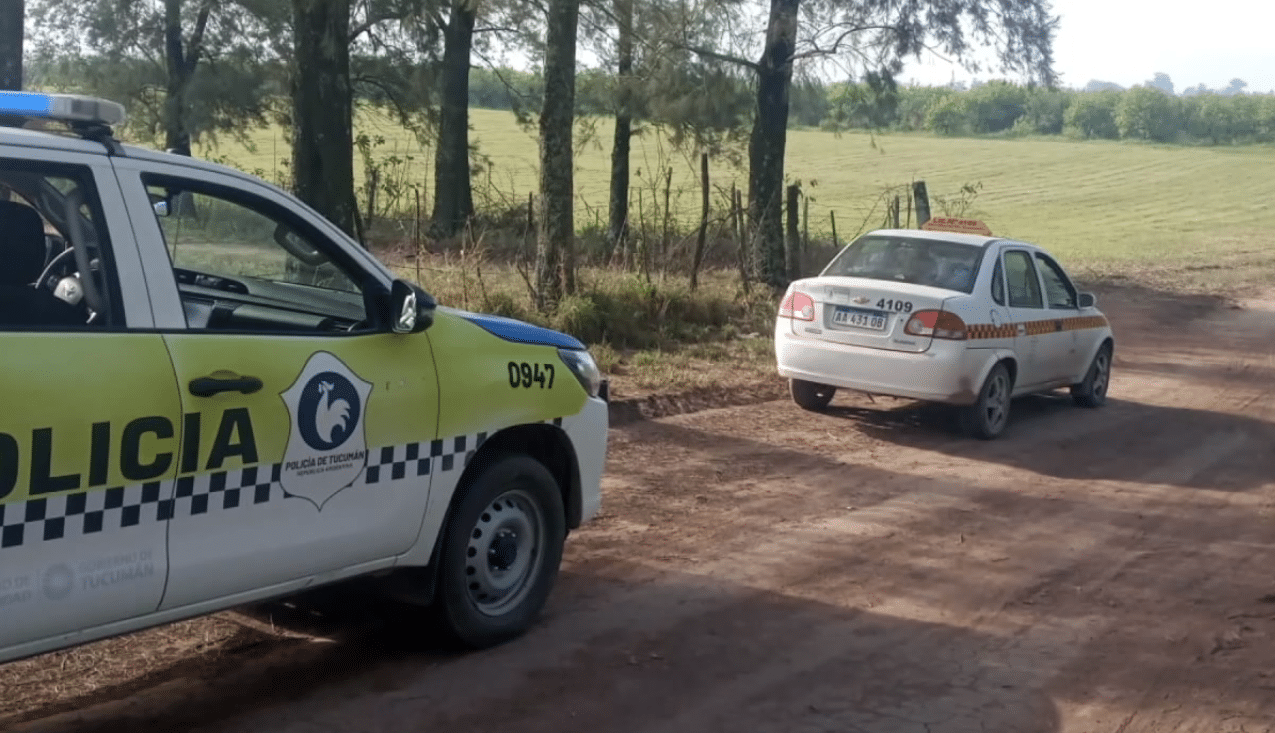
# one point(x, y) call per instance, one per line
point(1093, 202)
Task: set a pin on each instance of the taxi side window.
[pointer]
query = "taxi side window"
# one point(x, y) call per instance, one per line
point(1020, 276)
point(243, 265)
point(998, 284)
point(1058, 288)
point(51, 221)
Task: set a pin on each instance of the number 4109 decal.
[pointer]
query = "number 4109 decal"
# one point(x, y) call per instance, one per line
point(899, 306)
point(522, 374)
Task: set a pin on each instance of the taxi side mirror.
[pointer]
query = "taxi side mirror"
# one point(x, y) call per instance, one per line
point(411, 308)
point(1086, 300)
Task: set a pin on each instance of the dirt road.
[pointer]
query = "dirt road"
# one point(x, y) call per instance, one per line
point(761, 568)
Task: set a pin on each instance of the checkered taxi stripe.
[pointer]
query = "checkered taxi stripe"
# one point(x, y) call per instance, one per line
point(1035, 328)
point(88, 513)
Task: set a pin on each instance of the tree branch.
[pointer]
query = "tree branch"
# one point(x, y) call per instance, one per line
point(836, 45)
point(711, 54)
point(195, 46)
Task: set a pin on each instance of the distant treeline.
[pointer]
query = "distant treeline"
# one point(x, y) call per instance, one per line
point(993, 108)
point(232, 96)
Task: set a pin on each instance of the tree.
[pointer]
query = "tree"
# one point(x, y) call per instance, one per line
point(869, 35)
point(181, 55)
point(323, 111)
point(1093, 115)
point(1147, 114)
point(183, 68)
point(453, 192)
point(555, 240)
point(618, 211)
point(12, 21)
point(1162, 82)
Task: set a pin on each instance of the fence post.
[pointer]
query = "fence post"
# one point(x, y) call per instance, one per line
point(922, 203)
point(794, 239)
point(703, 222)
point(737, 223)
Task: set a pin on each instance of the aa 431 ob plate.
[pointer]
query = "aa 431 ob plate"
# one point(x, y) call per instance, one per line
point(860, 318)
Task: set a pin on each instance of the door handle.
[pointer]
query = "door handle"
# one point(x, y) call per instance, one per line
point(209, 386)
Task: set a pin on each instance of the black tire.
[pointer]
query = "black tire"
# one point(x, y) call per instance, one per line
point(501, 552)
point(809, 395)
point(1092, 392)
point(987, 418)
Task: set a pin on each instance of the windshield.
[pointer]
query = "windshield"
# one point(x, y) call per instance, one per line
point(938, 264)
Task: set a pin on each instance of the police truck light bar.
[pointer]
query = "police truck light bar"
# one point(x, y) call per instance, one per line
point(69, 108)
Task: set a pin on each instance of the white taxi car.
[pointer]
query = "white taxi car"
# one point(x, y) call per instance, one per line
point(940, 316)
point(212, 396)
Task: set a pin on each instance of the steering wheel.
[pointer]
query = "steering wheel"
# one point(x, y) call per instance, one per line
point(57, 262)
point(79, 246)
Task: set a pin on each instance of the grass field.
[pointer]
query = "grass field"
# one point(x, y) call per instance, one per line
point(1093, 202)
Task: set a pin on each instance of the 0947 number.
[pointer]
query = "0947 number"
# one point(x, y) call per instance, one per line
point(522, 374)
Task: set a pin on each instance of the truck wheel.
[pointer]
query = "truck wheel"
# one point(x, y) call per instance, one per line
point(986, 419)
point(1092, 392)
point(810, 396)
point(501, 553)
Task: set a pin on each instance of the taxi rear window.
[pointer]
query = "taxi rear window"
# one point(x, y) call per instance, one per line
point(937, 264)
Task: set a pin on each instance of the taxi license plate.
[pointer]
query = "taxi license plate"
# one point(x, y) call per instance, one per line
point(856, 318)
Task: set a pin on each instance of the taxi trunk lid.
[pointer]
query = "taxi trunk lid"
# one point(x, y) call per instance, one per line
point(866, 312)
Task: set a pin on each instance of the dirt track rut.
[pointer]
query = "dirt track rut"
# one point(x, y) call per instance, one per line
point(761, 568)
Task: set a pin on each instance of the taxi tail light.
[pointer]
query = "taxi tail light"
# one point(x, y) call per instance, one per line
point(797, 305)
point(937, 324)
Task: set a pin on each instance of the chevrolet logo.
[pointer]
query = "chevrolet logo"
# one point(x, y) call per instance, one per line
point(861, 300)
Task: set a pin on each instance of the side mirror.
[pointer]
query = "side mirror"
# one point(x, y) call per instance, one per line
point(411, 309)
point(160, 204)
point(1086, 300)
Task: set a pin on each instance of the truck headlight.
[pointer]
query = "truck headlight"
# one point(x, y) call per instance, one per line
point(584, 367)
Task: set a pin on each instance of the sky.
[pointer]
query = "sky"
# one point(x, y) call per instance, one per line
point(1128, 42)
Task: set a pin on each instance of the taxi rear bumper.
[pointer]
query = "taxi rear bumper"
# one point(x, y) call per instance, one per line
point(948, 372)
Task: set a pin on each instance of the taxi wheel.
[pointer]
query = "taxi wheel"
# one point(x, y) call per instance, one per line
point(986, 419)
point(501, 553)
point(809, 395)
point(1093, 391)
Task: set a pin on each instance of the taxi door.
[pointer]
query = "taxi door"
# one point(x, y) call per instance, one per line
point(1027, 315)
point(89, 416)
point(307, 435)
point(1068, 348)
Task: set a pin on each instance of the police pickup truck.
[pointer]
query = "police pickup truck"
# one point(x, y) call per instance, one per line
point(211, 396)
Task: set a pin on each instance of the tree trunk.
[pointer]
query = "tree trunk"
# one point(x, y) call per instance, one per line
point(323, 111)
point(766, 146)
point(555, 246)
point(176, 135)
point(453, 190)
point(618, 226)
point(12, 19)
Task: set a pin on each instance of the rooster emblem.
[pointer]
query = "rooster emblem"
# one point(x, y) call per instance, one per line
point(330, 415)
point(327, 445)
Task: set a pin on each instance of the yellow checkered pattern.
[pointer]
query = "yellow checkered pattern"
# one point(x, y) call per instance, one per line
point(1035, 328)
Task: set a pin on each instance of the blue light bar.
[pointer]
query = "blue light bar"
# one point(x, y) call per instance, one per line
point(69, 108)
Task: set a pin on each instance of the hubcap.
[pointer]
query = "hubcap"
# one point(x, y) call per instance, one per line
point(996, 406)
point(503, 556)
point(1101, 374)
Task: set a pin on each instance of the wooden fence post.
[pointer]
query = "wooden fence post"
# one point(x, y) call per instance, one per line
point(922, 203)
point(703, 222)
point(794, 239)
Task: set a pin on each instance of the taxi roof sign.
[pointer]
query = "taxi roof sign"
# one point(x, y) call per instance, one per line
point(72, 109)
point(959, 226)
